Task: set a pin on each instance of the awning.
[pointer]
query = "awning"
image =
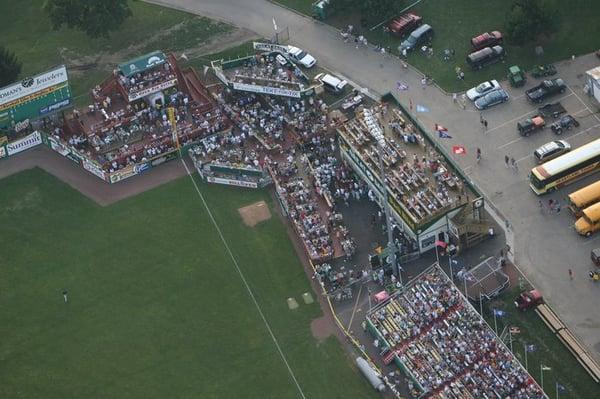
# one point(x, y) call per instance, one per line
point(142, 63)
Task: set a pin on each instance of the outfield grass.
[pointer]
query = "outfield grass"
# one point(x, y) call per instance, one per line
point(549, 350)
point(156, 308)
point(455, 22)
point(31, 37)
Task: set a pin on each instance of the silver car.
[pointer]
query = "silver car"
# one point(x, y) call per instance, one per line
point(551, 150)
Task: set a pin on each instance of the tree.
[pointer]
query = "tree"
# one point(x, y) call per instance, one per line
point(528, 19)
point(10, 67)
point(97, 18)
point(376, 11)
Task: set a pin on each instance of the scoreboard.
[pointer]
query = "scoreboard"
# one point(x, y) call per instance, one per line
point(34, 97)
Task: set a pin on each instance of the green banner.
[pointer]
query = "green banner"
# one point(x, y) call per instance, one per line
point(140, 64)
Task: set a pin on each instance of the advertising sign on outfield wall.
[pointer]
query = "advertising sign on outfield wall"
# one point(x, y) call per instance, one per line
point(94, 169)
point(2, 151)
point(25, 143)
point(231, 182)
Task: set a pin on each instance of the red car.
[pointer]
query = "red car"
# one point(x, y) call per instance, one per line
point(529, 299)
point(404, 23)
point(487, 39)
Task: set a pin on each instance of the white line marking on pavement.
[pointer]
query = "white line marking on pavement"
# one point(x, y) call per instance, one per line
point(237, 267)
point(349, 328)
point(510, 142)
point(525, 157)
point(585, 105)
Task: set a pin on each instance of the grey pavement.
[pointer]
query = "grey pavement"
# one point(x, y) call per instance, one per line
point(545, 246)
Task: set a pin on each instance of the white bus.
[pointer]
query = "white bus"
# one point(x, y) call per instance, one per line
point(566, 169)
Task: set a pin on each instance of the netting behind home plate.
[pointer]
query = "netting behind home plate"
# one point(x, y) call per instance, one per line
point(487, 279)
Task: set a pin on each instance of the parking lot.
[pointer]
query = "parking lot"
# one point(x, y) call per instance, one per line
point(545, 243)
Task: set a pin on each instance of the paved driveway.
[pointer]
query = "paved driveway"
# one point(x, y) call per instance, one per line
point(545, 245)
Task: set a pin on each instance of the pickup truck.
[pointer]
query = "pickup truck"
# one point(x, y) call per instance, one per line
point(531, 125)
point(553, 110)
point(546, 89)
point(565, 123)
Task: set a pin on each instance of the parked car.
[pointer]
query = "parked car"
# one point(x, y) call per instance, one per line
point(546, 89)
point(405, 23)
point(485, 57)
point(567, 122)
point(482, 89)
point(331, 83)
point(551, 150)
point(492, 98)
point(529, 299)
point(552, 110)
point(302, 57)
point(531, 125)
point(487, 39)
point(422, 34)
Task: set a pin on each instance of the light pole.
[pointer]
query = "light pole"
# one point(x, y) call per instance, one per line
point(377, 134)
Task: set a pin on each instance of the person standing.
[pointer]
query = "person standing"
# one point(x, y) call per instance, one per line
point(506, 160)
point(570, 274)
point(423, 82)
point(485, 125)
point(65, 294)
point(478, 154)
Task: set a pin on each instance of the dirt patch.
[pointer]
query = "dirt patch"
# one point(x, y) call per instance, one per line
point(322, 328)
point(105, 61)
point(255, 213)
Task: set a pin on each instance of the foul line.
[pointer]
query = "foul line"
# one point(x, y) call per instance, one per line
point(237, 267)
point(355, 306)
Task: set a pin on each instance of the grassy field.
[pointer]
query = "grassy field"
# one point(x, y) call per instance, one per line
point(152, 27)
point(156, 308)
point(549, 350)
point(456, 21)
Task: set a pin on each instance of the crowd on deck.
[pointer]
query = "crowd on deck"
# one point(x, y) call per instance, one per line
point(274, 69)
point(141, 80)
point(447, 346)
point(415, 172)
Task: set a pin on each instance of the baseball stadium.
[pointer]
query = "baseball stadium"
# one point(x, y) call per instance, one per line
point(206, 230)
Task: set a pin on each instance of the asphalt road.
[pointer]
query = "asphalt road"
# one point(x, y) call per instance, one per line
point(545, 245)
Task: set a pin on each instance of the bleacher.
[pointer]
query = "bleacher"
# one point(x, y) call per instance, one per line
point(443, 344)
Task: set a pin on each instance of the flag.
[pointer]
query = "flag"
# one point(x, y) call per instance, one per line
point(459, 150)
point(441, 244)
point(560, 387)
point(444, 135)
point(530, 348)
point(422, 108)
point(440, 128)
point(515, 330)
point(545, 368)
point(499, 313)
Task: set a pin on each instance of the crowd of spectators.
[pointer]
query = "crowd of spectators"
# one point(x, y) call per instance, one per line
point(415, 172)
point(446, 345)
point(142, 80)
point(269, 70)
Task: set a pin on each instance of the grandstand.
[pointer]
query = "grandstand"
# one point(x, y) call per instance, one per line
point(443, 345)
point(128, 128)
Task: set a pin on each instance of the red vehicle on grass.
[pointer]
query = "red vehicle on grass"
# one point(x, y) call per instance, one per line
point(404, 23)
point(529, 299)
point(487, 39)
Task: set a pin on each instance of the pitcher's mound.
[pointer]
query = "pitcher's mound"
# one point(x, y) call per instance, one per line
point(255, 213)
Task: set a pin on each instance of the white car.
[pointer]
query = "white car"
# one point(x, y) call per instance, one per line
point(302, 57)
point(482, 89)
